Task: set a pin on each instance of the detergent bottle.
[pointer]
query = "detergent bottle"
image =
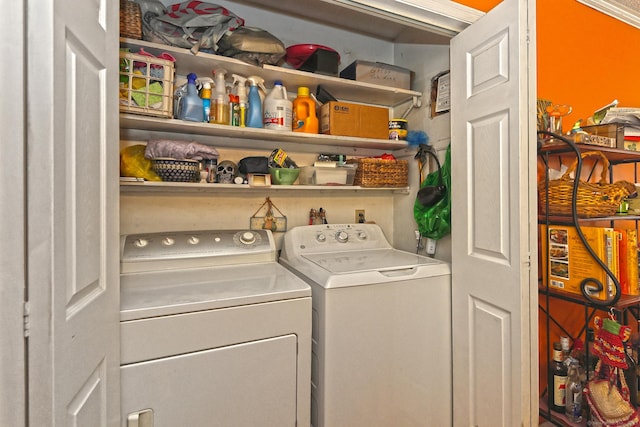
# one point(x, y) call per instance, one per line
point(191, 107)
point(240, 88)
point(304, 112)
point(205, 94)
point(220, 101)
point(278, 114)
point(254, 110)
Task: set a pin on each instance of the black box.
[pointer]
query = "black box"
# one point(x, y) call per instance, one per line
point(322, 62)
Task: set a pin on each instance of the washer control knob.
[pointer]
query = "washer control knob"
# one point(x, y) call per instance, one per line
point(321, 237)
point(168, 241)
point(140, 243)
point(362, 235)
point(193, 240)
point(342, 236)
point(247, 238)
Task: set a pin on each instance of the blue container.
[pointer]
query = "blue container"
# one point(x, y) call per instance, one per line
point(191, 106)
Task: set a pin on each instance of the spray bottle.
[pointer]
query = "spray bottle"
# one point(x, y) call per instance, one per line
point(205, 94)
point(220, 101)
point(191, 105)
point(254, 111)
point(239, 84)
point(278, 110)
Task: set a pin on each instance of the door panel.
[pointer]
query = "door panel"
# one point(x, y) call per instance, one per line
point(72, 207)
point(12, 211)
point(493, 219)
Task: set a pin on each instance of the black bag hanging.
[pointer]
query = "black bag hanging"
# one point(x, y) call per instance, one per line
point(429, 195)
point(434, 216)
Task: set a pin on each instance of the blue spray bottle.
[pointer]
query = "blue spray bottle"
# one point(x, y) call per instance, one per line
point(191, 107)
point(254, 111)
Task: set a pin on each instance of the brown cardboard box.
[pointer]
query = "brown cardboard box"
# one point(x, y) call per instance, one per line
point(347, 119)
point(378, 73)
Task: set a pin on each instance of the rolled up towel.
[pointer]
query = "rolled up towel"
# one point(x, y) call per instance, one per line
point(179, 150)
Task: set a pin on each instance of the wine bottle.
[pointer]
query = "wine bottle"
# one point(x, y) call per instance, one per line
point(558, 380)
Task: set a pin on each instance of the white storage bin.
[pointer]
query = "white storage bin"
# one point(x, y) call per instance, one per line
point(339, 175)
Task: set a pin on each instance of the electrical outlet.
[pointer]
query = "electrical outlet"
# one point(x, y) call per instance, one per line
point(360, 218)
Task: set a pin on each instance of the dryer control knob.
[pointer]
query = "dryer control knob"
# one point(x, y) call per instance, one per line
point(168, 241)
point(140, 243)
point(342, 236)
point(194, 240)
point(247, 238)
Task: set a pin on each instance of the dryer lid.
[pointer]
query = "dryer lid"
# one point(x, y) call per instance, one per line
point(162, 293)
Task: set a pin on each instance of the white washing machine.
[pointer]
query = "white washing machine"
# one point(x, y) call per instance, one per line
point(381, 340)
point(214, 332)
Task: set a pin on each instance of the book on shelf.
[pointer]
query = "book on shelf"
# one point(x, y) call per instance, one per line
point(612, 238)
point(566, 262)
point(629, 261)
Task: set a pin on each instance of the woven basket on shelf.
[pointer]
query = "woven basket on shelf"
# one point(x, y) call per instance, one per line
point(593, 199)
point(377, 173)
point(176, 170)
point(130, 20)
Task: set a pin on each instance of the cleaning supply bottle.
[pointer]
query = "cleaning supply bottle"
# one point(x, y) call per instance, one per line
point(234, 110)
point(240, 88)
point(205, 94)
point(191, 107)
point(278, 114)
point(254, 110)
point(220, 101)
point(304, 112)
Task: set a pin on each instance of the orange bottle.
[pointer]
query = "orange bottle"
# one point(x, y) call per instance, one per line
point(304, 112)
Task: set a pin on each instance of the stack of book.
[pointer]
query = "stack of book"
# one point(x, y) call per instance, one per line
point(566, 262)
point(620, 128)
point(630, 119)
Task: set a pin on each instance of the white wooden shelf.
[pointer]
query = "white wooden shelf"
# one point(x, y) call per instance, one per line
point(189, 187)
point(342, 89)
point(141, 128)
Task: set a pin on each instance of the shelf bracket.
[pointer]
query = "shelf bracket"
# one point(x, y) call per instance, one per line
point(416, 102)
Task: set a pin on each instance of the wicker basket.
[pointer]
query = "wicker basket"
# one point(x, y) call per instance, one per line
point(146, 85)
point(593, 199)
point(378, 173)
point(130, 20)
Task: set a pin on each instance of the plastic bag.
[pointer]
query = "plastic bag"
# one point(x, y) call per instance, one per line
point(252, 45)
point(193, 24)
point(133, 163)
point(434, 221)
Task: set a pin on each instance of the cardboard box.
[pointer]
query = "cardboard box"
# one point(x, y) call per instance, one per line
point(609, 135)
point(566, 262)
point(347, 119)
point(378, 73)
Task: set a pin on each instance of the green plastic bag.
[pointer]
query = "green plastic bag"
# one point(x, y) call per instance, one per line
point(434, 221)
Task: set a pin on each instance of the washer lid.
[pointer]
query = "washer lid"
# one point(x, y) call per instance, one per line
point(162, 293)
point(368, 260)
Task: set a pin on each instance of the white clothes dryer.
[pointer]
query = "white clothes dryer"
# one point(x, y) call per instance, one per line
point(381, 335)
point(214, 332)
